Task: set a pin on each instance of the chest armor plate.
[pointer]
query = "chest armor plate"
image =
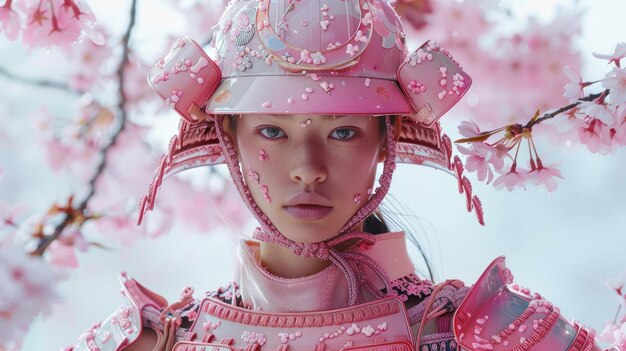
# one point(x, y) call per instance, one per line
point(379, 325)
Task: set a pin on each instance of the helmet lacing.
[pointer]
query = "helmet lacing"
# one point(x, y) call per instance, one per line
point(323, 249)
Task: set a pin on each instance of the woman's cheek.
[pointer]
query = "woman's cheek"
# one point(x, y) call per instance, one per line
point(364, 178)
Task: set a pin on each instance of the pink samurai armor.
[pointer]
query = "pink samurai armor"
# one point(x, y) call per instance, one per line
point(332, 57)
point(221, 319)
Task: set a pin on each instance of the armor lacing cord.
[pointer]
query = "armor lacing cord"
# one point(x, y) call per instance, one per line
point(323, 249)
point(428, 315)
point(186, 297)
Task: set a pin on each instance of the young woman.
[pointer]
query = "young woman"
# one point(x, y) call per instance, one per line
point(304, 100)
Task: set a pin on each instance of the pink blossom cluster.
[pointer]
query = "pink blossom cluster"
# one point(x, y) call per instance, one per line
point(516, 70)
point(413, 12)
point(27, 288)
point(599, 123)
point(49, 23)
point(72, 144)
point(485, 159)
point(614, 332)
point(200, 16)
point(87, 66)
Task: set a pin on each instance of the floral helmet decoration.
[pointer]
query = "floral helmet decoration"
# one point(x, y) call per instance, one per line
point(326, 57)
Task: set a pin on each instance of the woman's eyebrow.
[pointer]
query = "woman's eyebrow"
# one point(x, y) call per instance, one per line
point(326, 117)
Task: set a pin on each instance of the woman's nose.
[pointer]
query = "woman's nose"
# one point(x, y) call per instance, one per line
point(309, 167)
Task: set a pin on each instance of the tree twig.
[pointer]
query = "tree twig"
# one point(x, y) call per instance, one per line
point(565, 109)
point(38, 82)
point(123, 116)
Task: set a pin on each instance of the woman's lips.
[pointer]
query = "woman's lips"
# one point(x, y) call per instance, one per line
point(308, 212)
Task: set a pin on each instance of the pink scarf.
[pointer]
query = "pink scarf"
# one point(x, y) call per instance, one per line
point(321, 291)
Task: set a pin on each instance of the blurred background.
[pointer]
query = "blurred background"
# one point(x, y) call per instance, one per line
point(56, 115)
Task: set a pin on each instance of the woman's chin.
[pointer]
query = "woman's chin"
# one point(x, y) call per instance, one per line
point(309, 232)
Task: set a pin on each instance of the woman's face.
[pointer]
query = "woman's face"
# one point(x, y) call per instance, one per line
point(309, 174)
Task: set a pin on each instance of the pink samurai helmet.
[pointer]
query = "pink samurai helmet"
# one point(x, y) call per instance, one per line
point(309, 57)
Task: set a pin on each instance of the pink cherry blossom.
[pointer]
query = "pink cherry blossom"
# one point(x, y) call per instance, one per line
point(200, 16)
point(10, 21)
point(75, 144)
point(414, 11)
point(618, 54)
point(62, 255)
point(615, 335)
point(480, 156)
point(609, 138)
point(135, 86)
point(9, 215)
point(598, 109)
point(48, 25)
point(118, 226)
point(531, 57)
point(618, 285)
point(546, 176)
point(75, 160)
point(81, 12)
point(616, 81)
point(469, 129)
point(514, 178)
point(27, 287)
point(590, 134)
point(620, 124)
point(58, 23)
point(573, 89)
point(86, 65)
point(62, 252)
point(225, 204)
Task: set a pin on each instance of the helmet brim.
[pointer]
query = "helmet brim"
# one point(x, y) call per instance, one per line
point(301, 94)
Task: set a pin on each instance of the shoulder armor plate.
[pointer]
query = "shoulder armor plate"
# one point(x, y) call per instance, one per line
point(499, 315)
point(125, 325)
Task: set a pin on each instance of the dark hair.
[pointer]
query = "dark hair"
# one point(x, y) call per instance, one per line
point(393, 216)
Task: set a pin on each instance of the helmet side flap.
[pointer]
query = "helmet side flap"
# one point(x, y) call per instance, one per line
point(185, 79)
point(433, 82)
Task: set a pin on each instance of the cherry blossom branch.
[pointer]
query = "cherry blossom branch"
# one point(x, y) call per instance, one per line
point(550, 115)
point(516, 128)
point(38, 82)
point(72, 216)
point(121, 106)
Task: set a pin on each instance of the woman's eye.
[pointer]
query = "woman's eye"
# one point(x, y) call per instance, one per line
point(342, 133)
point(272, 132)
